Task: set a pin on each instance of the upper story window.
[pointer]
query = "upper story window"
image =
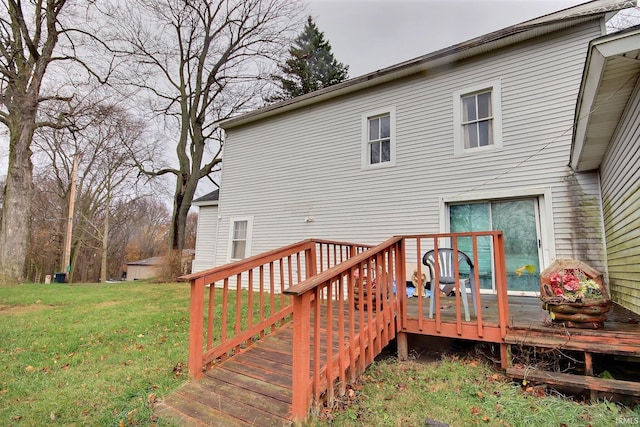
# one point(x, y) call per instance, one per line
point(378, 148)
point(240, 238)
point(477, 118)
point(380, 139)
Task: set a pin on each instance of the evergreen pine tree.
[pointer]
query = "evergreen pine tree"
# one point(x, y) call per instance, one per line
point(311, 65)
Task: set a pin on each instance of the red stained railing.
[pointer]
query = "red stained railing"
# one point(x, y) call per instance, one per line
point(218, 329)
point(348, 301)
point(344, 317)
point(414, 316)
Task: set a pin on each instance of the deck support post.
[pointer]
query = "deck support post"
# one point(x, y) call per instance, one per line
point(588, 370)
point(403, 346)
point(505, 355)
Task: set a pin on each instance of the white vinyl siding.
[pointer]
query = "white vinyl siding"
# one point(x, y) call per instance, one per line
point(309, 162)
point(620, 178)
point(206, 238)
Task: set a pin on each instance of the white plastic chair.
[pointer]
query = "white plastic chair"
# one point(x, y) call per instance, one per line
point(447, 277)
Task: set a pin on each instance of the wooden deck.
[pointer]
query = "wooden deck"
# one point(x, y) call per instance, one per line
point(301, 346)
point(255, 386)
point(252, 388)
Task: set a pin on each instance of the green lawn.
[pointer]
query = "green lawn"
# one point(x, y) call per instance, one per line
point(101, 354)
point(461, 392)
point(90, 354)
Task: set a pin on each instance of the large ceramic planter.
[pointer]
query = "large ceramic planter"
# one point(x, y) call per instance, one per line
point(586, 312)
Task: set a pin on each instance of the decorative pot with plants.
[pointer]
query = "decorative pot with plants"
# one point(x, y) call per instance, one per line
point(574, 294)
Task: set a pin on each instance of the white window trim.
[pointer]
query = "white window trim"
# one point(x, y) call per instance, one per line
point(365, 137)
point(495, 87)
point(232, 221)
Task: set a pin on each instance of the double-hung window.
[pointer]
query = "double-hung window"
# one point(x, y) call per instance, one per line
point(240, 238)
point(477, 118)
point(378, 148)
point(380, 139)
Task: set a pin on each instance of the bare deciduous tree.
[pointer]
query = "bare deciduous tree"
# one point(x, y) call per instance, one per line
point(199, 62)
point(30, 35)
point(103, 137)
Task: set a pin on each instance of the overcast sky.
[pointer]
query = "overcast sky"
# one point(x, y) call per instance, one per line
point(369, 35)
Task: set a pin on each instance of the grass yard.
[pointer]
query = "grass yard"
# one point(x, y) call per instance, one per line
point(101, 354)
point(461, 392)
point(95, 354)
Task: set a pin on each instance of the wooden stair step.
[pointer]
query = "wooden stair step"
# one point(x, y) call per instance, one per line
point(242, 382)
point(628, 388)
point(193, 413)
point(228, 408)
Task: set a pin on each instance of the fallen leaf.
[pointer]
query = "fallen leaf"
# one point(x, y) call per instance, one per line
point(475, 410)
point(30, 368)
point(52, 416)
point(151, 399)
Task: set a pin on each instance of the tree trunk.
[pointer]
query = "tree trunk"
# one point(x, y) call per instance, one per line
point(105, 243)
point(185, 189)
point(16, 210)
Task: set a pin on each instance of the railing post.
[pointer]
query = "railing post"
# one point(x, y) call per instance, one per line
point(310, 260)
point(503, 299)
point(196, 324)
point(301, 356)
point(400, 312)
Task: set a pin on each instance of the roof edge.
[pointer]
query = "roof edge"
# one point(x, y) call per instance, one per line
point(599, 50)
point(492, 41)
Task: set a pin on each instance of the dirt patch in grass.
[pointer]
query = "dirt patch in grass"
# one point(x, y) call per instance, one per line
point(17, 310)
point(111, 303)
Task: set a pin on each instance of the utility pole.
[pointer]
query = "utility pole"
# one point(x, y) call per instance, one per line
point(66, 259)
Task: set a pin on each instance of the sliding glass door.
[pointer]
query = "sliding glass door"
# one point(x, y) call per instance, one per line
point(519, 221)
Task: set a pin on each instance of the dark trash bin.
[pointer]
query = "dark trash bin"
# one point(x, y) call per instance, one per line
point(60, 277)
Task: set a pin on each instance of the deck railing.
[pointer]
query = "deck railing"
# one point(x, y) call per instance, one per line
point(346, 302)
point(486, 250)
point(254, 286)
point(343, 318)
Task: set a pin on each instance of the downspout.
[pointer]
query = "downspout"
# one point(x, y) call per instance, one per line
point(605, 254)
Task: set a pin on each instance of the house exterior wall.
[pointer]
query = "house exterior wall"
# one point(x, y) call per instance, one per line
point(307, 163)
point(620, 180)
point(206, 238)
